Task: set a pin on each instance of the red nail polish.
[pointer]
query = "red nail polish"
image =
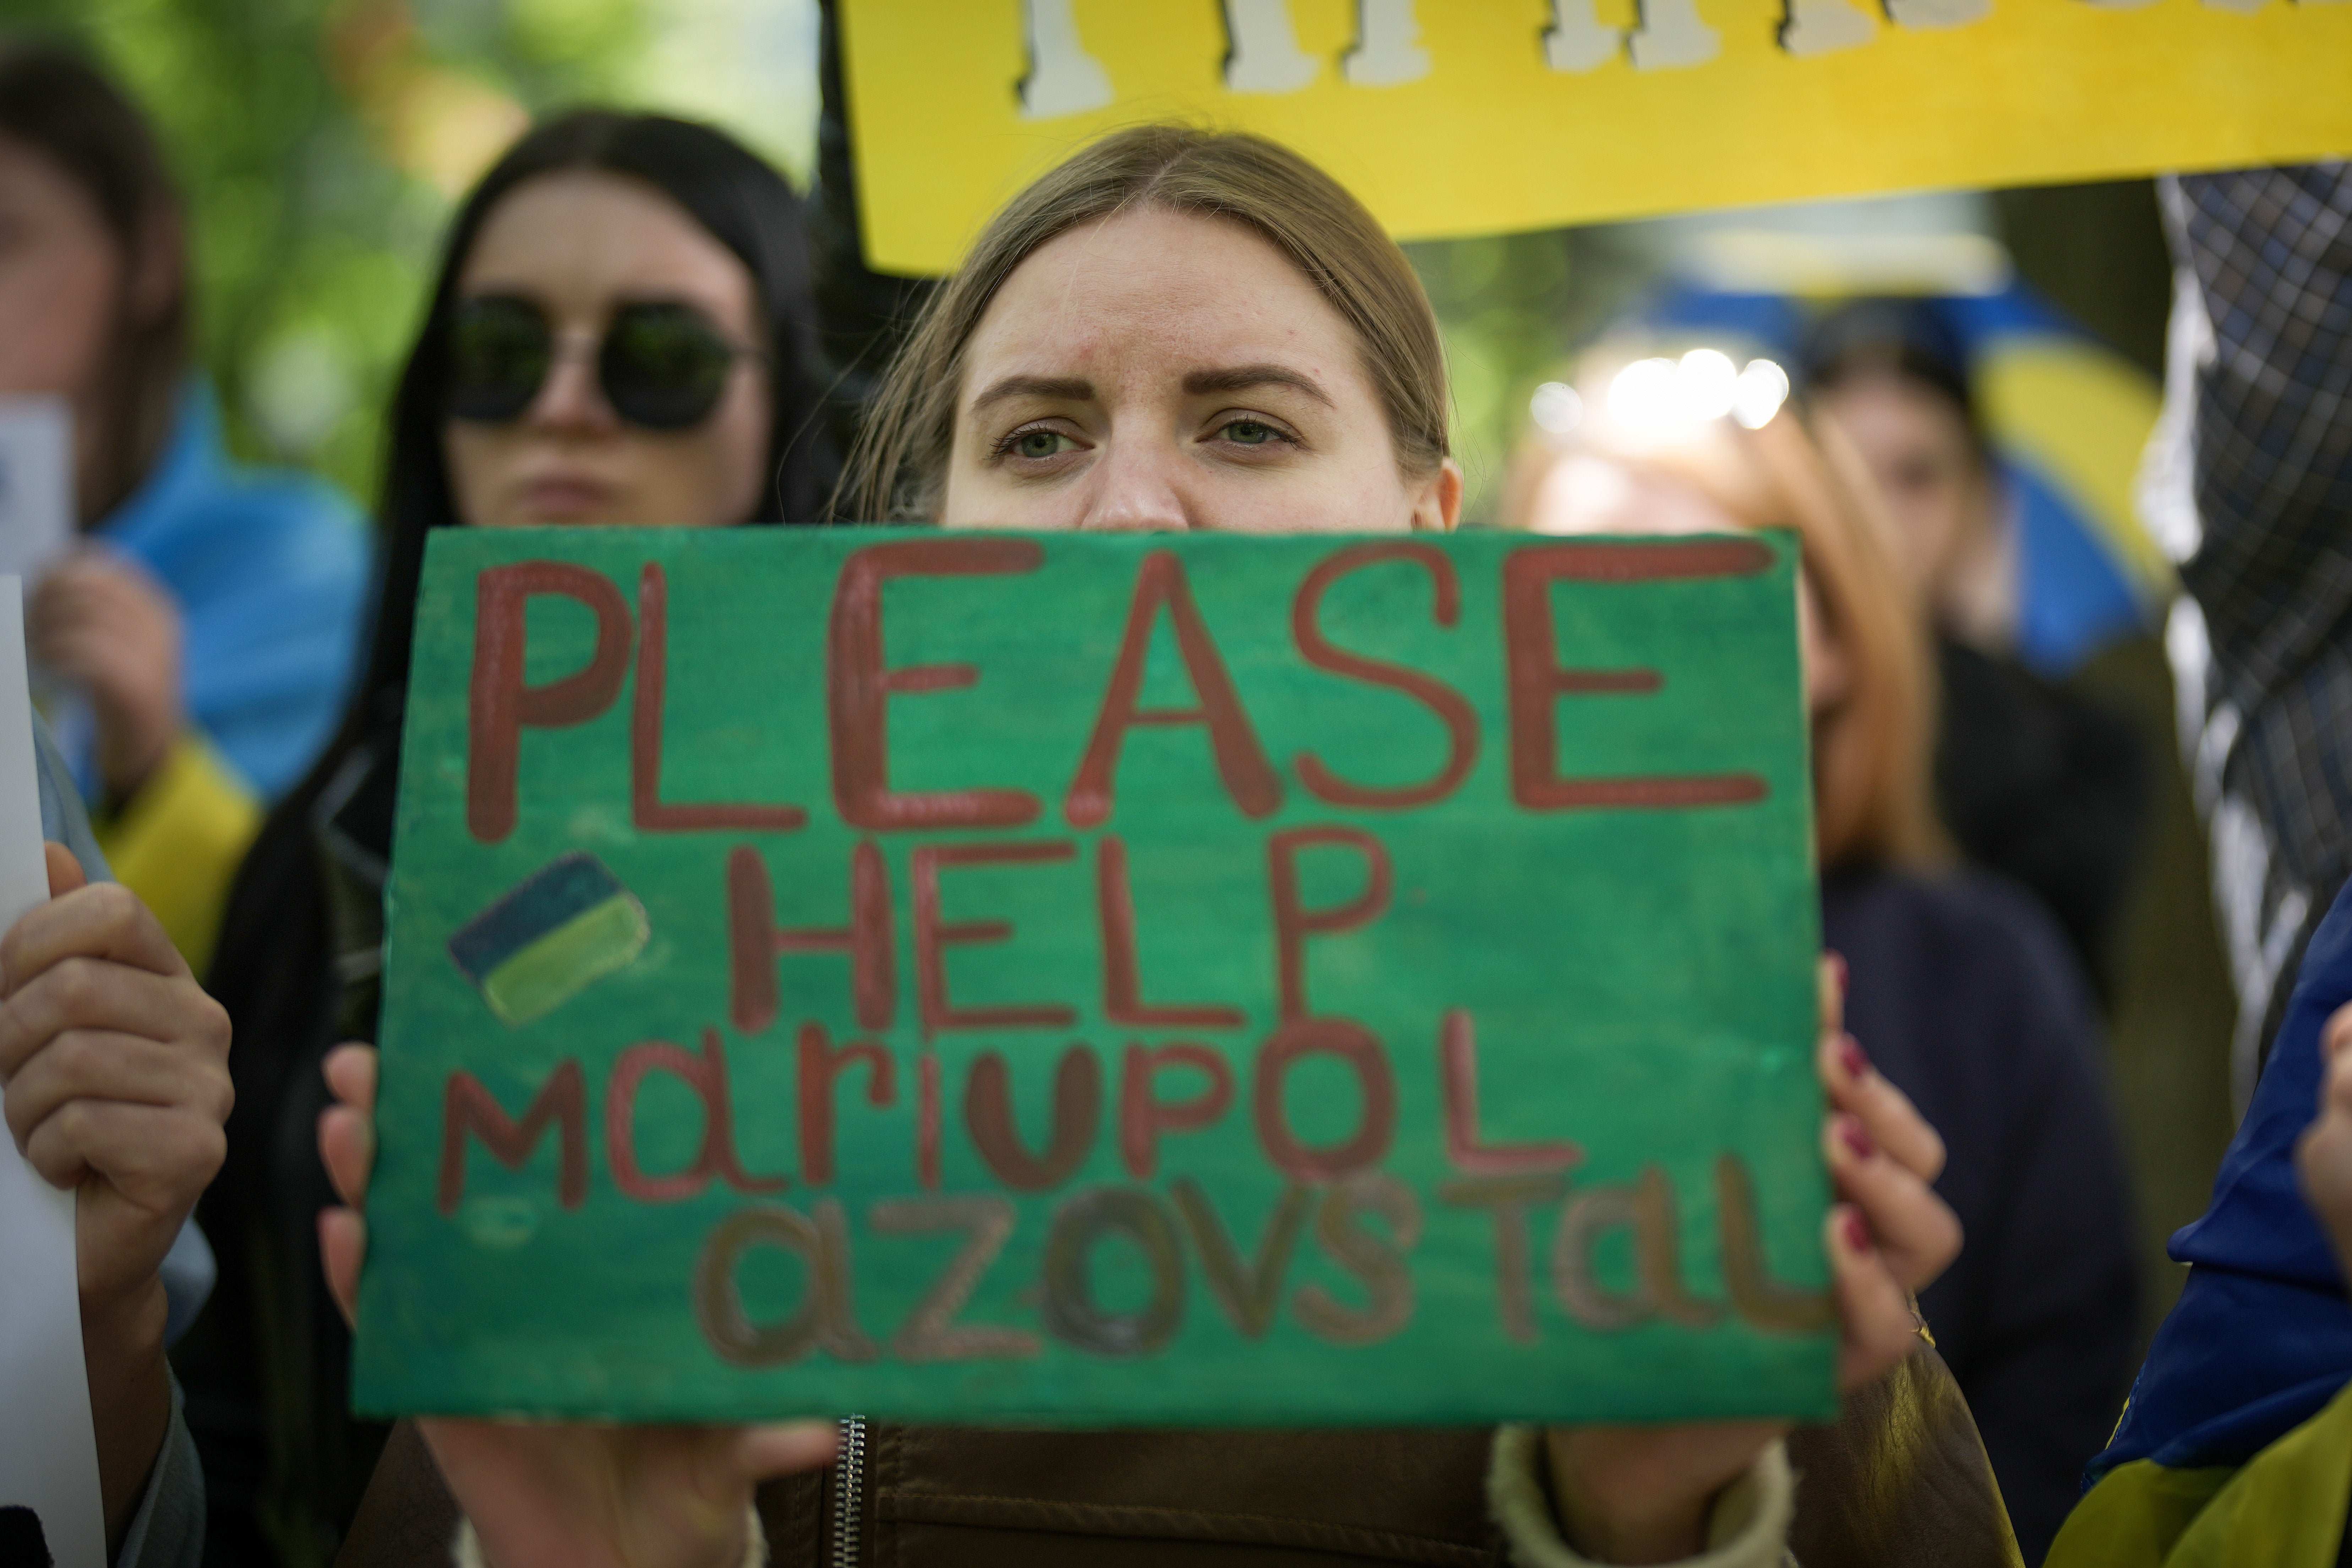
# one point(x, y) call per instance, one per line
point(1852, 1058)
point(1857, 1230)
point(1857, 1137)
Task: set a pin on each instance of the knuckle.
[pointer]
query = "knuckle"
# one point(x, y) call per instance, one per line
point(208, 1153)
point(212, 1025)
point(74, 987)
point(115, 904)
point(73, 1122)
point(220, 1097)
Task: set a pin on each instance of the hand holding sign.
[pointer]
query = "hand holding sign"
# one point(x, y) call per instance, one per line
point(1635, 1494)
point(670, 1495)
point(117, 1070)
point(117, 1065)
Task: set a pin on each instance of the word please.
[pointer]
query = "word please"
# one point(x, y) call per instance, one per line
point(501, 705)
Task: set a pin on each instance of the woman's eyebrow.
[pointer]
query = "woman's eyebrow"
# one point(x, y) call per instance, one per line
point(1065, 389)
point(1241, 378)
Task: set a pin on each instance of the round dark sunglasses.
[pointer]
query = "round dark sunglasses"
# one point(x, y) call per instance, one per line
point(662, 365)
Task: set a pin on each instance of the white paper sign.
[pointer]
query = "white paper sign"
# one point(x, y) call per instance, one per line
point(37, 471)
point(48, 1454)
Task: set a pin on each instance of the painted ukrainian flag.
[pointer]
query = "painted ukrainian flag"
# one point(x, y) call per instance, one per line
point(555, 934)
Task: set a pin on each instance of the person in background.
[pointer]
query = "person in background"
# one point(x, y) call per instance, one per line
point(620, 333)
point(209, 620)
point(1971, 1001)
point(2033, 781)
point(115, 1067)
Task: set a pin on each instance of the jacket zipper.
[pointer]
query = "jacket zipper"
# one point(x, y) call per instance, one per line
point(848, 1492)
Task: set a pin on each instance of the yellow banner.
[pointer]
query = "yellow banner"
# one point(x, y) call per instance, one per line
point(1486, 115)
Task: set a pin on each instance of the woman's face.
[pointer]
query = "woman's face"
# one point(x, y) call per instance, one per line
point(1159, 372)
point(1918, 448)
point(61, 284)
point(1587, 493)
point(578, 245)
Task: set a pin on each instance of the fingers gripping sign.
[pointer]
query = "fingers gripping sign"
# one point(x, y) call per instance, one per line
point(115, 1064)
point(675, 1495)
point(1642, 1494)
point(116, 1067)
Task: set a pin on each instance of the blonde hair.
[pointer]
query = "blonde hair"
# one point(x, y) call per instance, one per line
point(898, 467)
point(1873, 800)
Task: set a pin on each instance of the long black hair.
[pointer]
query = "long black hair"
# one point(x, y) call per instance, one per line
point(743, 203)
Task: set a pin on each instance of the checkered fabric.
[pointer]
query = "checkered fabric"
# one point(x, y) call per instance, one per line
point(2249, 488)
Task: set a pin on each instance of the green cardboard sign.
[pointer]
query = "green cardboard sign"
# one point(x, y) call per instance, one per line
point(1115, 980)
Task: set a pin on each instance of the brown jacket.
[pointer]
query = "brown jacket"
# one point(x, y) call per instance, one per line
point(1900, 1482)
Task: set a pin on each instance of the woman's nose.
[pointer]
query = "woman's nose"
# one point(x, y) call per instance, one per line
point(1138, 488)
point(570, 399)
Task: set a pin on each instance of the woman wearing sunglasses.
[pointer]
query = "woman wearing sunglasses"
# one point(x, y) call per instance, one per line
point(1178, 329)
point(620, 333)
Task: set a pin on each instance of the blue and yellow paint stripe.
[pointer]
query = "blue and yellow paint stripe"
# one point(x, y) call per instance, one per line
point(552, 935)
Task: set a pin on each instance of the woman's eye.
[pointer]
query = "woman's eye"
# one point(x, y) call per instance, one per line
point(1250, 432)
point(1041, 444)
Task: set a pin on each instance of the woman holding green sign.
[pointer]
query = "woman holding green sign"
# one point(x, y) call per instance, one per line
point(1179, 330)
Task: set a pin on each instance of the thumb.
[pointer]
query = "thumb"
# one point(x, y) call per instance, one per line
point(65, 872)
